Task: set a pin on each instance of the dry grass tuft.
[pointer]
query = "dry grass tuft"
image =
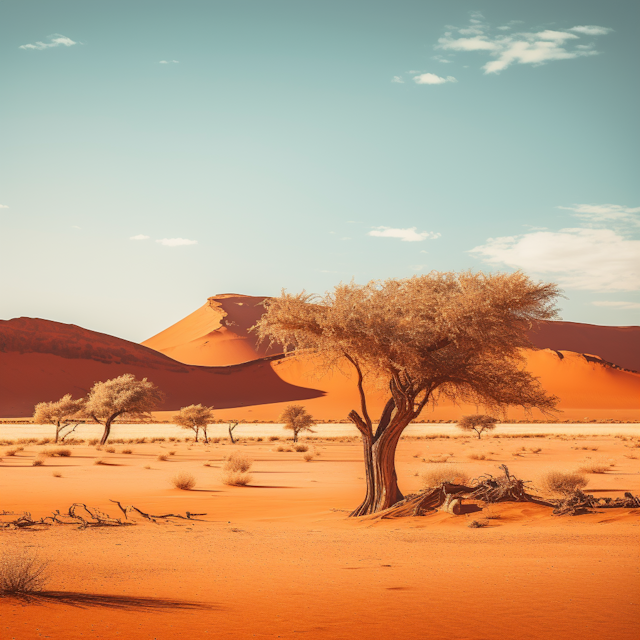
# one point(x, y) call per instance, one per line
point(594, 466)
point(146, 467)
point(563, 482)
point(163, 457)
point(172, 453)
point(56, 474)
point(274, 438)
point(11, 452)
point(127, 451)
point(300, 448)
point(236, 478)
point(38, 462)
point(184, 481)
point(308, 457)
point(22, 574)
point(110, 449)
point(439, 458)
point(477, 456)
point(435, 476)
point(238, 462)
point(99, 461)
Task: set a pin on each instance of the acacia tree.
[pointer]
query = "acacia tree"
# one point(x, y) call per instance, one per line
point(456, 336)
point(477, 423)
point(297, 419)
point(61, 413)
point(232, 425)
point(194, 417)
point(121, 397)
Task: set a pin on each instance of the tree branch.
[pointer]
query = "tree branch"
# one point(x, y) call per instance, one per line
point(363, 398)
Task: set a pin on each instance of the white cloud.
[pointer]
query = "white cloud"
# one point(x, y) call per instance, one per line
point(169, 62)
point(140, 236)
point(55, 40)
point(406, 235)
point(591, 259)
point(520, 48)
point(617, 304)
point(397, 79)
point(432, 78)
point(176, 242)
point(606, 213)
point(3, 206)
point(591, 30)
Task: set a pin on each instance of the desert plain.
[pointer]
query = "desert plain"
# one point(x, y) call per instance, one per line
point(279, 558)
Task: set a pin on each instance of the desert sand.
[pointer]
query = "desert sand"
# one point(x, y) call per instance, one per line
point(280, 557)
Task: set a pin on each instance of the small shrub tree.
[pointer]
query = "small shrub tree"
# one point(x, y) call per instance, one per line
point(194, 417)
point(296, 419)
point(477, 423)
point(62, 414)
point(232, 425)
point(122, 396)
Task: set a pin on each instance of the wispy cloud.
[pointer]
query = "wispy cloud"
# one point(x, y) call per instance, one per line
point(599, 213)
point(406, 235)
point(169, 62)
point(525, 47)
point(55, 40)
point(397, 79)
point(590, 259)
point(618, 304)
point(432, 78)
point(4, 206)
point(176, 242)
point(140, 236)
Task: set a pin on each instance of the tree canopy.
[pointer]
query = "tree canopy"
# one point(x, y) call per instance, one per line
point(478, 423)
point(60, 413)
point(194, 417)
point(441, 335)
point(120, 397)
point(297, 419)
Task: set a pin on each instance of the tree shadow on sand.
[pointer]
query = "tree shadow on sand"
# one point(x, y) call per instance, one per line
point(106, 601)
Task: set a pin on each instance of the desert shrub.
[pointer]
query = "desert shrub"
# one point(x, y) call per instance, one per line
point(56, 474)
point(22, 574)
point(127, 451)
point(281, 448)
point(236, 478)
point(38, 462)
point(440, 457)
point(11, 452)
point(259, 439)
point(62, 452)
point(274, 438)
point(110, 449)
point(477, 524)
point(594, 466)
point(477, 456)
point(44, 441)
point(146, 467)
point(184, 481)
point(301, 448)
point(47, 453)
point(563, 481)
point(99, 461)
point(172, 453)
point(535, 450)
point(163, 457)
point(435, 476)
point(308, 457)
point(238, 462)
point(93, 442)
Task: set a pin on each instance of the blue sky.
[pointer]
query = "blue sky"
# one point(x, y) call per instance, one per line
point(255, 145)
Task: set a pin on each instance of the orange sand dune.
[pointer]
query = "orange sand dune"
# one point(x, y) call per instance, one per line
point(619, 345)
point(42, 360)
point(587, 388)
point(215, 334)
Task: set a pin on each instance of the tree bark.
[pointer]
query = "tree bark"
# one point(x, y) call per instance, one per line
point(107, 431)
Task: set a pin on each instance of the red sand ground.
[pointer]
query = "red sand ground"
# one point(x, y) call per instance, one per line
point(279, 558)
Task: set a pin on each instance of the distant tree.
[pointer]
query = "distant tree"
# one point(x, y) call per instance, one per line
point(296, 419)
point(121, 397)
point(477, 423)
point(232, 425)
point(62, 414)
point(455, 336)
point(194, 417)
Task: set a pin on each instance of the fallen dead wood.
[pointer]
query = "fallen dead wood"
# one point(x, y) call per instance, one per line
point(506, 488)
point(578, 503)
point(85, 517)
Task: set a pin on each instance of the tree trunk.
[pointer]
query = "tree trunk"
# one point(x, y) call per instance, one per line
point(57, 432)
point(231, 435)
point(382, 481)
point(107, 431)
point(196, 429)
